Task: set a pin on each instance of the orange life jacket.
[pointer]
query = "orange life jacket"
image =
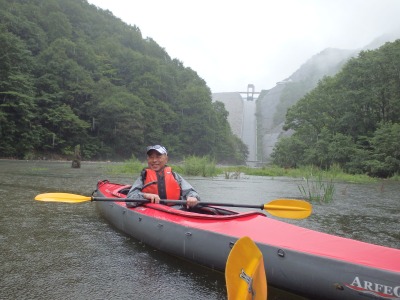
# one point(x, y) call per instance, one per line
point(162, 183)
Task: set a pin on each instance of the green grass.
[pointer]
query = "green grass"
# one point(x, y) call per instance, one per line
point(192, 165)
point(198, 166)
point(317, 188)
point(206, 167)
point(317, 185)
point(301, 172)
point(131, 166)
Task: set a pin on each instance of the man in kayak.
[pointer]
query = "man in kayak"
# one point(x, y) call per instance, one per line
point(158, 181)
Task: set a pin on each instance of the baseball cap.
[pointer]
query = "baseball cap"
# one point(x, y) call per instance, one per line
point(160, 149)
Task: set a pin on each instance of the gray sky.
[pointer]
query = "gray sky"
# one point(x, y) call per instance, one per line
point(232, 43)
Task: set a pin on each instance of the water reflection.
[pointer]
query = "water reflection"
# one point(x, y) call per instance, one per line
point(67, 251)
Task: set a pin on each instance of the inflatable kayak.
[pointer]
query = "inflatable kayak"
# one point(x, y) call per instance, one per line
point(306, 262)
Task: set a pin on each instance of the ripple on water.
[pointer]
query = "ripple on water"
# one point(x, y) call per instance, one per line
point(68, 251)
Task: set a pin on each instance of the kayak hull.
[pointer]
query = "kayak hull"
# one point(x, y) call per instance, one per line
point(303, 261)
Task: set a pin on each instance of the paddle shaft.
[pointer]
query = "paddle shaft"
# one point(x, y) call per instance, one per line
point(176, 202)
point(286, 208)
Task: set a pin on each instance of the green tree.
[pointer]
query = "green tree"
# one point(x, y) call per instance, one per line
point(75, 74)
point(289, 152)
point(385, 160)
point(17, 130)
point(66, 130)
point(338, 121)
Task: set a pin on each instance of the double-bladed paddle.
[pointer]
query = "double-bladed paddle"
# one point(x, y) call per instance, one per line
point(245, 272)
point(284, 208)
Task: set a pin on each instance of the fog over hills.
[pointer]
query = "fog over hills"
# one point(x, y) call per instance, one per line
point(272, 107)
point(272, 104)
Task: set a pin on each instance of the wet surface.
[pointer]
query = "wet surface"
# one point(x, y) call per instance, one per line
point(68, 251)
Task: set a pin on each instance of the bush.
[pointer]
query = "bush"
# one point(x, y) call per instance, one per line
point(199, 166)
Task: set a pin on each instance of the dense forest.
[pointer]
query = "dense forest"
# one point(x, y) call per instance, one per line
point(350, 120)
point(73, 74)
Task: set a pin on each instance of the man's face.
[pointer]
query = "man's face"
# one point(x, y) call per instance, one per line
point(156, 161)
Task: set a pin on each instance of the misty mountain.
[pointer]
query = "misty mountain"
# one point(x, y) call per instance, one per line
point(379, 41)
point(272, 105)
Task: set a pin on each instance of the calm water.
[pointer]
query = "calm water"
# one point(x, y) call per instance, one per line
point(68, 251)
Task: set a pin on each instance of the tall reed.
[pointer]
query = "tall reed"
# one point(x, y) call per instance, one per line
point(317, 188)
point(199, 166)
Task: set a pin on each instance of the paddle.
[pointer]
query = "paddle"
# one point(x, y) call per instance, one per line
point(284, 208)
point(245, 273)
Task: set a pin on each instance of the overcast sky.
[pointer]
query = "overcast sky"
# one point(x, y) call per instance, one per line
point(231, 43)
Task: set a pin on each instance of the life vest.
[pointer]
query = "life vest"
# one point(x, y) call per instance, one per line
point(162, 183)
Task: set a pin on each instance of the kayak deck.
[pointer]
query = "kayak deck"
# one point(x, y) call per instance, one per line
point(262, 229)
point(300, 260)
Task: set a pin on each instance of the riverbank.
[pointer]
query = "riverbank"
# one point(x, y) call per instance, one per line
point(205, 167)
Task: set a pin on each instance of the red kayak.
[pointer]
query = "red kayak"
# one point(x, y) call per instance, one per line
point(303, 261)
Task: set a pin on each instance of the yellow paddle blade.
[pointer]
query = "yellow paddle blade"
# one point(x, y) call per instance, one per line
point(245, 273)
point(62, 197)
point(289, 208)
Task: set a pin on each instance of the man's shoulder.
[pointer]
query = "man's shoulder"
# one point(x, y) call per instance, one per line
point(143, 174)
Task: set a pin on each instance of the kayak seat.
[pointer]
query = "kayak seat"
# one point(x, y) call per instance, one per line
point(123, 191)
point(206, 210)
point(209, 210)
point(200, 210)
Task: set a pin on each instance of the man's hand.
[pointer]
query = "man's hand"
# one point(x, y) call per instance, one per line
point(154, 198)
point(191, 202)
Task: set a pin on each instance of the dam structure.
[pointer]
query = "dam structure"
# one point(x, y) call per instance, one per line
point(241, 107)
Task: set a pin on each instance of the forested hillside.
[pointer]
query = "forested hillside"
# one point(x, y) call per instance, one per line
point(326, 63)
point(274, 103)
point(351, 119)
point(73, 74)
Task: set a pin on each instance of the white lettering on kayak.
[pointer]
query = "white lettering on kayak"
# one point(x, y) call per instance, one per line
point(379, 290)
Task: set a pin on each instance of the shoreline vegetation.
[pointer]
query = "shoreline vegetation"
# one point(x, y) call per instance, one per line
point(207, 167)
point(316, 185)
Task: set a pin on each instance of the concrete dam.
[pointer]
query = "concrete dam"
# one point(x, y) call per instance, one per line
point(252, 119)
point(242, 119)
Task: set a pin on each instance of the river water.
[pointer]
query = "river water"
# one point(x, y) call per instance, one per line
point(68, 251)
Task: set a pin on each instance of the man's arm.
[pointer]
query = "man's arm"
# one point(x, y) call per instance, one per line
point(135, 192)
point(187, 188)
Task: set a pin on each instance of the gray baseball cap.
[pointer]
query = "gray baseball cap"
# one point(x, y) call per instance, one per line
point(160, 149)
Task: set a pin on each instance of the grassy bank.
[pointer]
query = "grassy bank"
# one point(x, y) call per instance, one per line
point(191, 166)
point(303, 172)
point(206, 167)
point(316, 185)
